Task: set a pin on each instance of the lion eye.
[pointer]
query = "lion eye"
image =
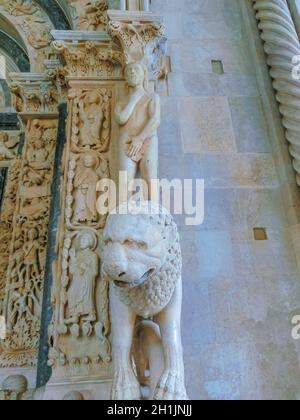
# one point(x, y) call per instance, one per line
point(134, 244)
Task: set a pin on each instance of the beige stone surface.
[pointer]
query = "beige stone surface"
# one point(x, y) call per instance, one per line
point(206, 125)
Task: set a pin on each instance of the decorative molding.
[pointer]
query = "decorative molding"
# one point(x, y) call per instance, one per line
point(282, 45)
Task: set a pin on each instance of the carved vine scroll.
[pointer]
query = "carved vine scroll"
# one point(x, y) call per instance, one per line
point(25, 275)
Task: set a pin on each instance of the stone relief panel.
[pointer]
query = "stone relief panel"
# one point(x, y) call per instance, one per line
point(25, 274)
point(90, 59)
point(79, 333)
point(89, 15)
point(32, 96)
point(140, 41)
point(9, 142)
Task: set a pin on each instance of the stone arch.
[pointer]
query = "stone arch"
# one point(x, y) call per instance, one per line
point(13, 58)
point(33, 26)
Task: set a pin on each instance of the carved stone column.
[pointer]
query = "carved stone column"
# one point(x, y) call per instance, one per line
point(282, 45)
point(36, 101)
point(80, 351)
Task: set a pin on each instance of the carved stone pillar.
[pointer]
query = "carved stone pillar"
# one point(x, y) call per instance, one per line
point(79, 334)
point(80, 352)
point(282, 45)
point(36, 100)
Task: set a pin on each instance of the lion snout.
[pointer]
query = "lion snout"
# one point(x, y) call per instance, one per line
point(115, 262)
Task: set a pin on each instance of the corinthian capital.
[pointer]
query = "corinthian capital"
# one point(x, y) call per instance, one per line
point(141, 36)
point(34, 94)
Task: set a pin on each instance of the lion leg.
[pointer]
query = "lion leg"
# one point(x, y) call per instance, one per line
point(171, 385)
point(125, 384)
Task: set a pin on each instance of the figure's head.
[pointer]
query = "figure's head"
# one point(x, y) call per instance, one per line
point(137, 245)
point(93, 98)
point(33, 234)
point(39, 144)
point(135, 74)
point(89, 161)
point(85, 240)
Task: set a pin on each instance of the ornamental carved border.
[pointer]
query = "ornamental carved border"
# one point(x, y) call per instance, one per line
point(80, 327)
point(34, 26)
point(26, 268)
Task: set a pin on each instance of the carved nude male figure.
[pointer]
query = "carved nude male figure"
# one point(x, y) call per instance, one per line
point(138, 116)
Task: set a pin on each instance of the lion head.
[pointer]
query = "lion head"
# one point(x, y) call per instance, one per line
point(142, 257)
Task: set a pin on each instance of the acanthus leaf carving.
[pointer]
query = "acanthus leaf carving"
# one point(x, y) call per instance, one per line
point(90, 59)
point(34, 95)
point(80, 293)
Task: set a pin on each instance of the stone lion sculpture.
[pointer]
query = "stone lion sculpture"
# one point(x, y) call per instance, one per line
point(142, 260)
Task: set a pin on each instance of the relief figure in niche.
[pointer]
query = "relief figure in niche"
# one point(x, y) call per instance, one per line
point(38, 34)
point(37, 157)
point(85, 183)
point(138, 116)
point(92, 116)
point(84, 269)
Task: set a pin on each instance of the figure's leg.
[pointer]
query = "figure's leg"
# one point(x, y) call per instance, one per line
point(125, 384)
point(149, 167)
point(171, 385)
point(126, 165)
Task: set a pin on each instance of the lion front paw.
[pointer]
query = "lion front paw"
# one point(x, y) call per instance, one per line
point(126, 386)
point(170, 387)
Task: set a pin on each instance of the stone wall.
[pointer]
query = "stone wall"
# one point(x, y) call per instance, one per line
point(220, 122)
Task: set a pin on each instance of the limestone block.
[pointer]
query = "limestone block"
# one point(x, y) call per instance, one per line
point(206, 125)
